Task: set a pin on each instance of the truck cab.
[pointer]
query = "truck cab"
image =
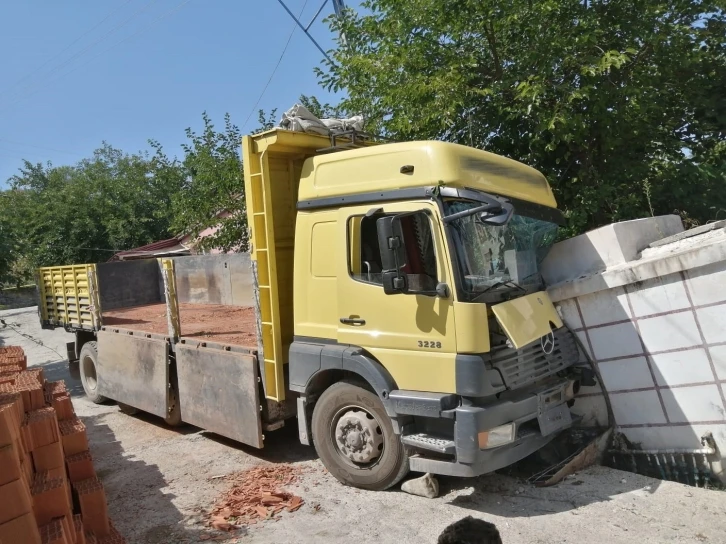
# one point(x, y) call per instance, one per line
point(422, 337)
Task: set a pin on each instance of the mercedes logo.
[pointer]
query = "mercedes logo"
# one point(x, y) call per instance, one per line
point(548, 343)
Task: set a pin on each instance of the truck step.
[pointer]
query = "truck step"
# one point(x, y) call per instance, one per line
point(430, 442)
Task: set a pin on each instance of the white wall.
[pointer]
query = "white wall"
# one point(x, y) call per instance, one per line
point(658, 339)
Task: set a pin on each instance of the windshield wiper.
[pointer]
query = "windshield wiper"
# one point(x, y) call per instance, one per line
point(508, 283)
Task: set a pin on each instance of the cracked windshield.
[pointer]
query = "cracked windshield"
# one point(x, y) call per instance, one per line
point(497, 257)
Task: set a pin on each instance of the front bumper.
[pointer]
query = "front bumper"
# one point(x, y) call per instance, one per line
point(522, 408)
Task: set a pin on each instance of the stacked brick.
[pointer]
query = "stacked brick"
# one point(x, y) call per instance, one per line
point(49, 492)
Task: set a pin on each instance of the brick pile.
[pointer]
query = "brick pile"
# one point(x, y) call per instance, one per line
point(49, 492)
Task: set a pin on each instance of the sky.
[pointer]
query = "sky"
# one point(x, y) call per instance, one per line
point(79, 72)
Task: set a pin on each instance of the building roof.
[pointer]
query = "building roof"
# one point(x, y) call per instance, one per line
point(171, 246)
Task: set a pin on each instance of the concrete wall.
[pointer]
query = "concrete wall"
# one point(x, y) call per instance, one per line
point(125, 284)
point(655, 326)
point(18, 298)
point(215, 279)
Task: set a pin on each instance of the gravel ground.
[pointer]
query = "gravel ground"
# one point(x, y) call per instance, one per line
point(160, 481)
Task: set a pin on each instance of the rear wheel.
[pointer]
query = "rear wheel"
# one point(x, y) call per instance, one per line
point(87, 362)
point(354, 438)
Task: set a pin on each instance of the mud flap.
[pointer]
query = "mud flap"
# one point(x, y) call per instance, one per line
point(219, 391)
point(133, 368)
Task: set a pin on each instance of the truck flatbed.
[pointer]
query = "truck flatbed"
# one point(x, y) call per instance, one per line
point(213, 322)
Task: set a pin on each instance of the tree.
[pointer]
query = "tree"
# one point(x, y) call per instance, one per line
point(83, 213)
point(621, 104)
point(211, 192)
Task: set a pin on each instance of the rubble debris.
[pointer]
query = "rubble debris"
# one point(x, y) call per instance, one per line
point(256, 494)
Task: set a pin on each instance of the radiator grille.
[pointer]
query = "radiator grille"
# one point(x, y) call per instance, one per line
point(521, 367)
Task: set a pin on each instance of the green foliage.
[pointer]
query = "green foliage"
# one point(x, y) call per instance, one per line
point(621, 104)
point(211, 194)
point(82, 213)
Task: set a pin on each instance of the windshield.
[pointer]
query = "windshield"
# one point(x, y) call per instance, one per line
point(499, 258)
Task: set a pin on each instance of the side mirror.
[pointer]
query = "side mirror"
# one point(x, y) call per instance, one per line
point(393, 254)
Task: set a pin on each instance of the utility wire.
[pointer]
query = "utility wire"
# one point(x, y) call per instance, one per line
point(19, 96)
point(142, 29)
point(74, 42)
point(274, 70)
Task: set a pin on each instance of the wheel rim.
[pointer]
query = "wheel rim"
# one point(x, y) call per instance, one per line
point(89, 373)
point(358, 437)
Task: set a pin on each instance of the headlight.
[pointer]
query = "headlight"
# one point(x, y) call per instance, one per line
point(498, 436)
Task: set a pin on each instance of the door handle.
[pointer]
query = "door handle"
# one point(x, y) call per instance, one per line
point(352, 321)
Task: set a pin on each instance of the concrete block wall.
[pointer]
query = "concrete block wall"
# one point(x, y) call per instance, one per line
point(658, 340)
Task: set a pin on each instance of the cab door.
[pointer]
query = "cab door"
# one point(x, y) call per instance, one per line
point(413, 334)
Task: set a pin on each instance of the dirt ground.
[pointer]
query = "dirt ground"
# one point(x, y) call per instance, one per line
point(160, 481)
point(212, 322)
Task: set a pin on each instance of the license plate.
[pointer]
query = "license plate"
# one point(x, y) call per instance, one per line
point(554, 419)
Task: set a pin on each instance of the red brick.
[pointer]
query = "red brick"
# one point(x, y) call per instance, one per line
point(80, 466)
point(26, 464)
point(34, 374)
point(94, 509)
point(9, 424)
point(43, 426)
point(63, 407)
point(78, 526)
point(21, 530)
point(32, 394)
point(50, 498)
point(55, 389)
point(73, 433)
point(8, 395)
point(9, 463)
point(54, 533)
point(48, 457)
point(70, 528)
point(14, 500)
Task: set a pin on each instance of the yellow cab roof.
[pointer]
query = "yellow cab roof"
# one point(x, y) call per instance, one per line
point(377, 168)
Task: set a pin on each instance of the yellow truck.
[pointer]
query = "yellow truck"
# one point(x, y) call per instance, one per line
point(391, 301)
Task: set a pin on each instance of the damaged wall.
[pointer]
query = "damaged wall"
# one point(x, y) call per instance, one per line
point(654, 324)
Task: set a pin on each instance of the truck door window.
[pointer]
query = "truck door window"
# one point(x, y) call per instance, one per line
point(365, 255)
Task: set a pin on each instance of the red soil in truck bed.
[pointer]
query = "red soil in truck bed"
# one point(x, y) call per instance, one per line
point(207, 322)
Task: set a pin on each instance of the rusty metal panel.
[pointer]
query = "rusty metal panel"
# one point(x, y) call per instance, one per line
point(133, 369)
point(218, 391)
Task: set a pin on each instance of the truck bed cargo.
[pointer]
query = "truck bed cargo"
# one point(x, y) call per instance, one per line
point(204, 322)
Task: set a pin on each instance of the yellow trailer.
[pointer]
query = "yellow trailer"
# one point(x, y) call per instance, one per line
point(398, 312)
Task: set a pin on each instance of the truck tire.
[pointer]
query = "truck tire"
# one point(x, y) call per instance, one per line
point(354, 438)
point(88, 359)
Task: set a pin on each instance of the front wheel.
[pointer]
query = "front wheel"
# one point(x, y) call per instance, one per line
point(87, 362)
point(354, 438)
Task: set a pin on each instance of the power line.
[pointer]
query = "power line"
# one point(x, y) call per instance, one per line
point(74, 42)
point(22, 94)
point(274, 70)
point(142, 29)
